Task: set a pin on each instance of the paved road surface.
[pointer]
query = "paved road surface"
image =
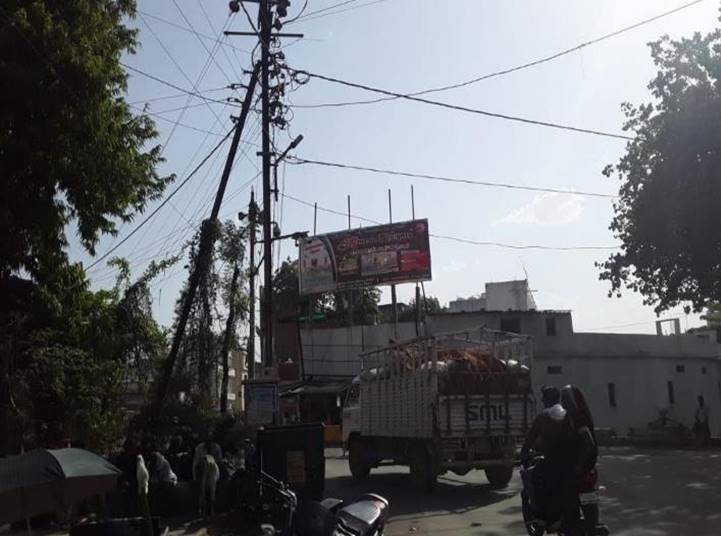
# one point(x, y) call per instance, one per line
point(648, 493)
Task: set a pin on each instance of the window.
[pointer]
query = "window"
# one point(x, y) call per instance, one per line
point(703, 370)
point(550, 327)
point(680, 369)
point(612, 395)
point(511, 325)
point(554, 369)
point(671, 394)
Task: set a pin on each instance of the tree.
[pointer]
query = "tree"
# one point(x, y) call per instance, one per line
point(667, 216)
point(71, 150)
point(71, 153)
point(198, 352)
point(332, 305)
point(74, 352)
point(429, 305)
point(232, 253)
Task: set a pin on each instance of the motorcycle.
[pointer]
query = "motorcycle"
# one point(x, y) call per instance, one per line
point(547, 519)
point(273, 508)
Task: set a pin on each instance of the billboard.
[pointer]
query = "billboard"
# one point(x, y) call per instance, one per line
point(380, 255)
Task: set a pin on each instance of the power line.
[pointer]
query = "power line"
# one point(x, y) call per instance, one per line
point(222, 48)
point(509, 70)
point(299, 161)
point(211, 55)
point(322, 10)
point(176, 95)
point(174, 86)
point(176, 123)
point(186, 29)
point(311, 16)
point(457, 239)
point(461, 108)
point(164, 202)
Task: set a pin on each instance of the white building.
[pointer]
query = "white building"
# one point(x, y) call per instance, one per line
point(628, 379)
point(513, 295)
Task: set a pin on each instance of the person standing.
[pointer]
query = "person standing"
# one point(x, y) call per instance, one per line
point(701, 425)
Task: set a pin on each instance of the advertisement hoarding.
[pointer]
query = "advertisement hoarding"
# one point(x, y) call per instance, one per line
point(370, 256)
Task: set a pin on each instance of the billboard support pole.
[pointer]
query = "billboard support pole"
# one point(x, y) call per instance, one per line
point(417, 304)
point(351, 300)
point(315, 219)
point(394, 300)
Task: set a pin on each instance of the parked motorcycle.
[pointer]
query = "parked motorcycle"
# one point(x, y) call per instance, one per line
point(548, 519)
point(273, 508)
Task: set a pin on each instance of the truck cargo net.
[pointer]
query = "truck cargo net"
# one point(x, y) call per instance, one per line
point(481, 361)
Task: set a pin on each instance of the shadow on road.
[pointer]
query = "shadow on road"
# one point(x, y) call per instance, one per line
point(661, 492)
point(450, 496)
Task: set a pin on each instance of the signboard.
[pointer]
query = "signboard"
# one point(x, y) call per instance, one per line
point(261, 403)
point(380, 255)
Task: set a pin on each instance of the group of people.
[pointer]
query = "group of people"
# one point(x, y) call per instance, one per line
point(150, 469)
point(564, 434)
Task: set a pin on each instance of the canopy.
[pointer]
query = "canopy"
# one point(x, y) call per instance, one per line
point(43, 481)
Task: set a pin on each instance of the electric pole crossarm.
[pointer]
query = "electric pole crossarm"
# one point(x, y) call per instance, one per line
point(205, 247)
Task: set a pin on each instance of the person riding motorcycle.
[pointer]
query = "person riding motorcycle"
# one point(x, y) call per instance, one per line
point(583, 476)
point(552, 435)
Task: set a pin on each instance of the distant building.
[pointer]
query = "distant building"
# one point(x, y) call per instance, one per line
point(513, 295)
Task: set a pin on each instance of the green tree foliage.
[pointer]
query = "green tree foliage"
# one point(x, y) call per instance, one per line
point(72, 156)
point(71, 149)
point(231, 251)
point(667, 216)
point(197, 357)
point(290, 304)
point(429, 305)
point(287, 299)
point(75, 351)
point(206, 345)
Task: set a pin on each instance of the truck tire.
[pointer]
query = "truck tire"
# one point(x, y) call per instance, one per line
point(499, 476)
point(357, 460)
point(422, 474)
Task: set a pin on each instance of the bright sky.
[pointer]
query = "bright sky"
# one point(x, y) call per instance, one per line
point(405, 46)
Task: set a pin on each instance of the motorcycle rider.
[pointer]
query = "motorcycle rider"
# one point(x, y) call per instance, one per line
point(586, 453)
point(552, 434)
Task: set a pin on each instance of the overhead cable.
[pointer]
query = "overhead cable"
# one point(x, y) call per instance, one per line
point(312, 16)
point(164, 202)
point(461, 108)
point(174, 86)
point(299, 161)
point(516, 68)
point(455, 238)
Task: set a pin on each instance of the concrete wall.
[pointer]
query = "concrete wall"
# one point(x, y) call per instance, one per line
point(531, 322)
point(638, 365)
point(333, 353)
point(640, 385)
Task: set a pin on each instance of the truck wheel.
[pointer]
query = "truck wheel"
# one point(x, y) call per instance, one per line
point(422, 474)
point(357, 462)
point(499, 476)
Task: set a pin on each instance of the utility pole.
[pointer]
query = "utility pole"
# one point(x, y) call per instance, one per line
point(265, 19)
point(252, 221)
point(205, 248)
point(265, 33)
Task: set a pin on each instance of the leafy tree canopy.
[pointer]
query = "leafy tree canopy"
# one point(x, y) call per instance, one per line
point(667, 216)
point(71, 150)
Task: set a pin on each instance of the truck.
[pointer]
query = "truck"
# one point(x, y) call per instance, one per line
point(453, 402)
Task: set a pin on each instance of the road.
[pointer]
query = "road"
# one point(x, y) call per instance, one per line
point(647, 493)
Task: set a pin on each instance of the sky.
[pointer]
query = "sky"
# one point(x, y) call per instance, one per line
point(405, 46)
